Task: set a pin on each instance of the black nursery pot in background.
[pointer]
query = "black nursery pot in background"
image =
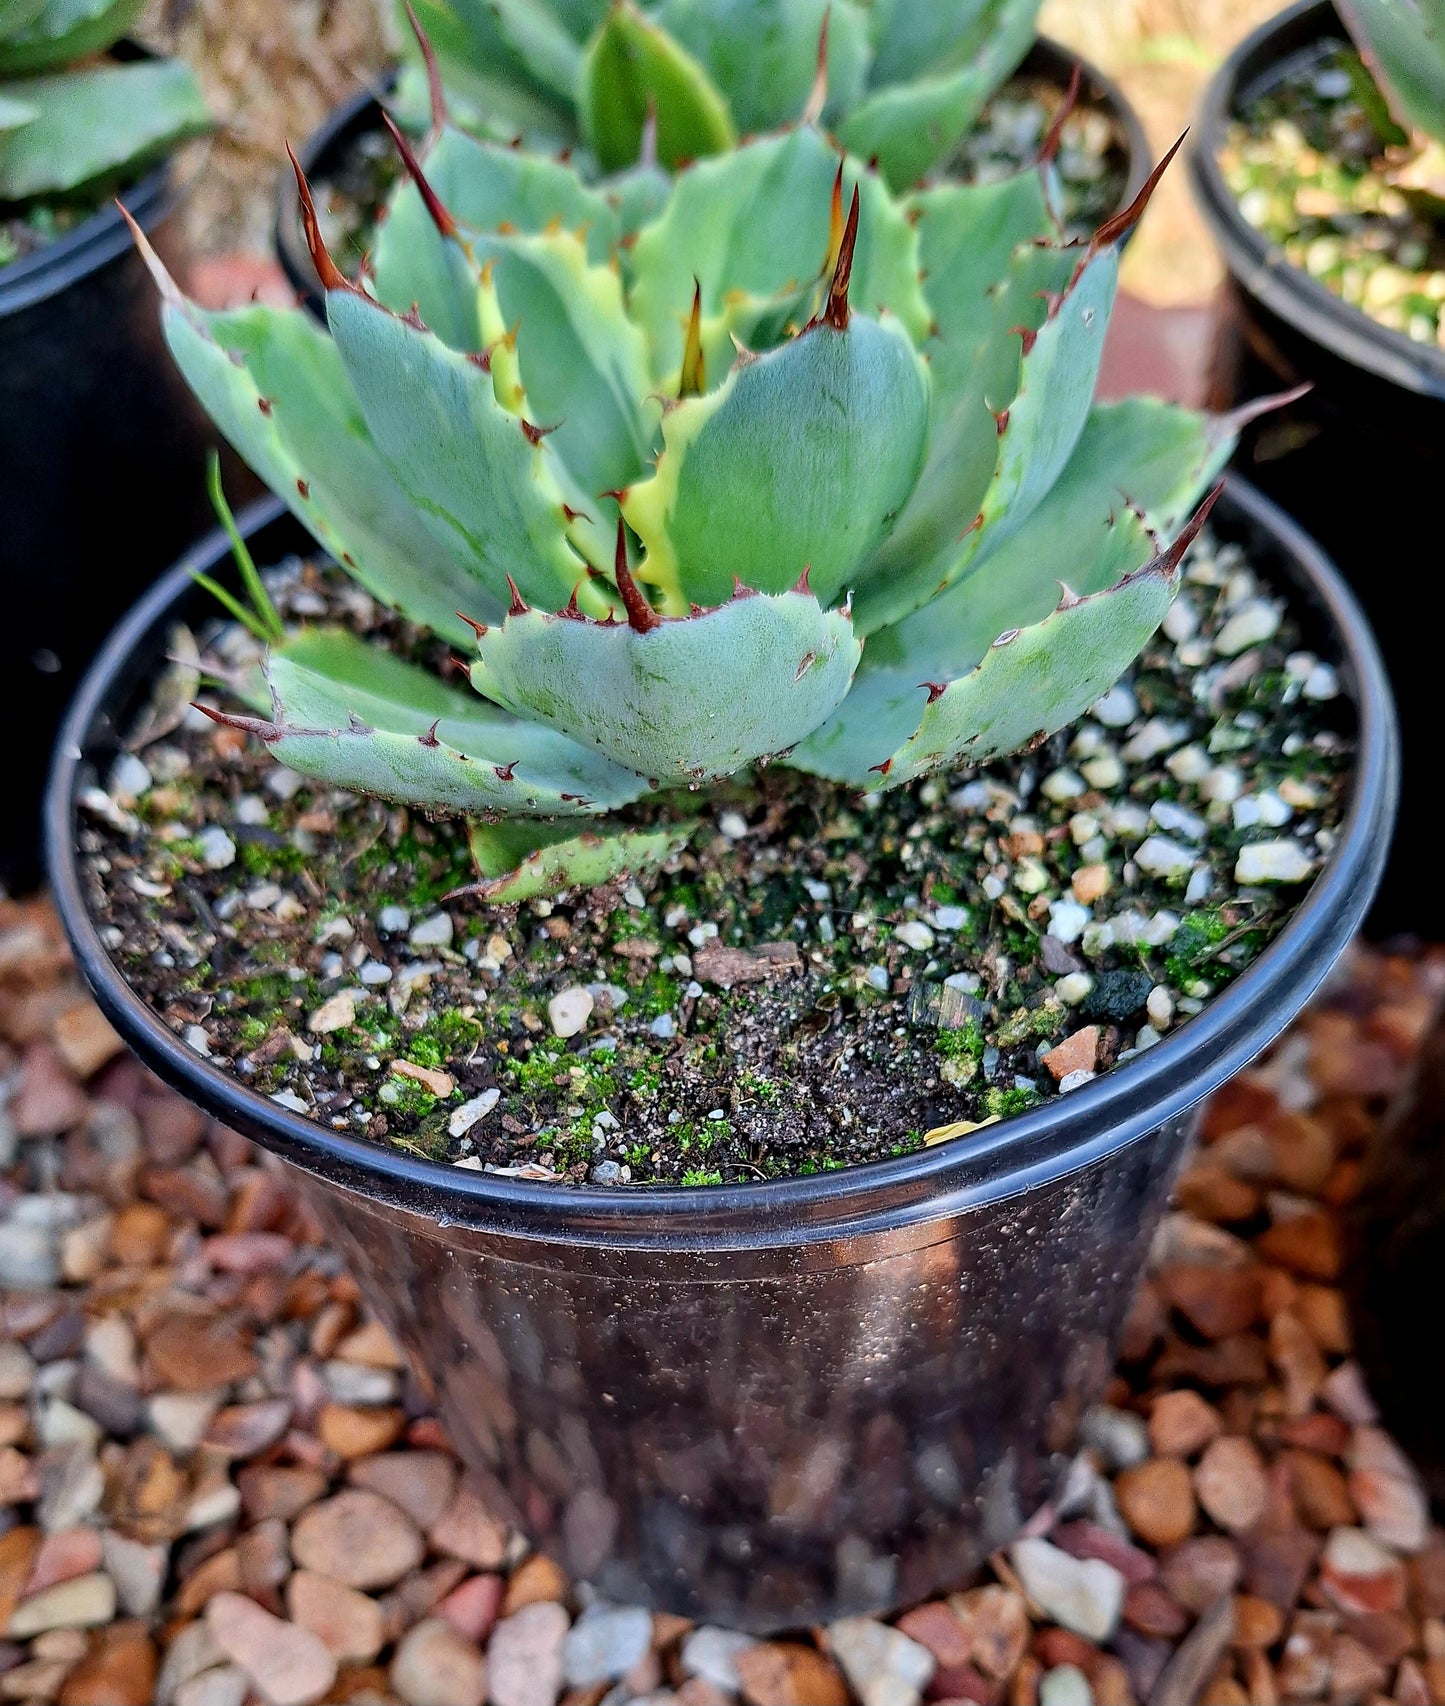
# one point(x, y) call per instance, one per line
point(770, 1404)
point(1359, 461)
point(102, 477)
point(328, 146)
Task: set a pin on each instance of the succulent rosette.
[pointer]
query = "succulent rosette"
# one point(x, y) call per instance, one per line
point(899, 81)
point(67, 128)
point(793, 470)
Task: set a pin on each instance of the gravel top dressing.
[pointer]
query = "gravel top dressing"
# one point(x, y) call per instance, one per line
point(1314, 164)
point(818, 979)
point(1092, 165)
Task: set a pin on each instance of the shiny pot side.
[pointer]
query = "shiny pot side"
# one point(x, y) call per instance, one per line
point(1359, 461)
point(102, 477)
point(326, 146)
point(771, 1404)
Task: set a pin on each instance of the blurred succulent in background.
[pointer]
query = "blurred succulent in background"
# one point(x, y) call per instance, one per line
point(1403, 44)
point(69, 128)
point(900, 81)
point(665, 487)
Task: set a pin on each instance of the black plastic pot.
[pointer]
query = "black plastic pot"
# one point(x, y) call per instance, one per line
point(327, 146)
point(102, 477)
point(771, 1404)
point(1360, 460)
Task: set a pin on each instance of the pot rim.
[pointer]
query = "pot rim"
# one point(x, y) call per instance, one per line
point(1046, 58)
point(1063, 1134)
point(1259, 267)
point(96, 241)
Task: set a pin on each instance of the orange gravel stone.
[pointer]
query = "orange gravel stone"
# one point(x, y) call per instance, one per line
point(1156, 1499)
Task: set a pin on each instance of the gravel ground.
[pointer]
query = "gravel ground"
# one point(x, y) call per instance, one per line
point(219, 1488)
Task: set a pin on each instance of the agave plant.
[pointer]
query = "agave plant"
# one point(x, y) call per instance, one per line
point(1403, 43)
point(64, 131)
point(664, 489)
point(900, 81)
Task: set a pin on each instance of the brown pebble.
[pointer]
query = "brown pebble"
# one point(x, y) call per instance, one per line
point(288, 1665)
point(1230, 1483)
point(786, 1673)
point(196, 1353)
point(353, 1431)
point(435, 1666)
point(468, 1530)
point(1321, 1493)
point(139, 1235)
point(422, 1483)
point(1076, 1053)
point(281, 1490)
point(1182, 1423)
point(357, 1538)
point(535, 1578)
point(473, 1606)
point(1358, 1574)
point(85, 1039)
point(1277, 1560)
point(1149, 1610)
point(120, 1670)
point(1218, 1301)
point(1257, 1623)
point(997, 1622)
point(1306, 1244)
point(1156, 1499)
point(1200, 1572)
point(937, 1627)
point(348, 1623)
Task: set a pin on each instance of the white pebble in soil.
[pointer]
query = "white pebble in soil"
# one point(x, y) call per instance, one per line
point(914, 934)
point(1266, 808)
point(1118, 708)
point(569, 1010)
point(433, 932)
point(472, 1112)
point(393, 919)
point(1281, 861)
point(1068, 920)
point(216, 848)
point(1161, 857)
point(1251, 625)
point(129, 779)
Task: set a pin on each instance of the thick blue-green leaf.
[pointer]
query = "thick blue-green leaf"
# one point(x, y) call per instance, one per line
point(61, 32)
point(912, 126)
point(753, 227)
point(763, 54)
point(481, 483)
point(583, 362)
point(974, 361)
point(1035, 680)
point(519, 861)
point(973, 496)
point(486, 186)
point(272, 382)
point(356, 716)
point(635, 74)
point(1085, 535)
point(800, 461)
point(15, 15)
point(14, 113)
point(95, 125)
point(916, 40)
point(693, 698)
point(484, 72)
